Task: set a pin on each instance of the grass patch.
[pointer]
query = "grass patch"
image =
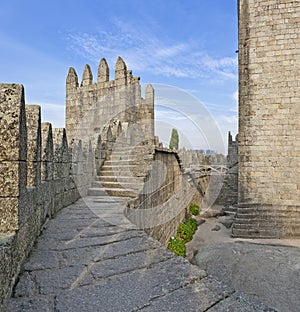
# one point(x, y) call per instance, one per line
point(185, 233)
point(194, 209)
point(177, 245)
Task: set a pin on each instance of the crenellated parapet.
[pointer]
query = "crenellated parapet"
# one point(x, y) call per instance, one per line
point(38, 177)
point(92, 106)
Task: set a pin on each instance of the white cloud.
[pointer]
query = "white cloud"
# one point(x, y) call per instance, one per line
point(144, 51)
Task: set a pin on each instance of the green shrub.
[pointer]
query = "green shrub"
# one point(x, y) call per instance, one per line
point(192, 225)
point(194, 209)
point(177, 245)
point(184, 232)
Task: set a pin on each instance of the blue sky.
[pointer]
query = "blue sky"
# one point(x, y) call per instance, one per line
point(189, 45)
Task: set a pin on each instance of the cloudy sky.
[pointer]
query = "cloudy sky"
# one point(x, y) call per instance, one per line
point(186, 49)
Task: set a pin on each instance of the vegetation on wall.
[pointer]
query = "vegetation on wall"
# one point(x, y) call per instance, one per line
point(185, 233)
point(194, 209)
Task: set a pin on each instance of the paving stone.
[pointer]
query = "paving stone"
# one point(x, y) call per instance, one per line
point(53, 281)
point(130, 291)
point(240, 302)
point(42, 259)
point(97, 253)
point(34, 304)
point(26, 286)
point(129, 262)
point(79, 242)
point(199, 296)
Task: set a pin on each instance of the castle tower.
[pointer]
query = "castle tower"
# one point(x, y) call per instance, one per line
point(94, 106)
point(269, 119)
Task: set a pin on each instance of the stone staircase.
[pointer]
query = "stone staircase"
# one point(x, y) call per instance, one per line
point(123, 172)
point(266, 221)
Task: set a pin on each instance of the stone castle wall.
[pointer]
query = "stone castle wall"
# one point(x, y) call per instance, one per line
point(269, 123)
point(39, 174)
point(94, 106)
point(164, 201)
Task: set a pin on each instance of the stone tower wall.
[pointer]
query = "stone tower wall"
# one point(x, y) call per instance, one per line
point(269, 122)
point(94, 106)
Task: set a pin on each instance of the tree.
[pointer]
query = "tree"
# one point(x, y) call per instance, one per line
point(174, 141)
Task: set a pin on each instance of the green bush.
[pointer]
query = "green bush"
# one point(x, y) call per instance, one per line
point(177, 245)
point(192, 225)
point(194, 209)
point(187, 229)
point(184, 232)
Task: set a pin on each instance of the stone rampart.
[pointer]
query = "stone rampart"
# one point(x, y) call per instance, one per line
point(165, 198)
point(39, 175)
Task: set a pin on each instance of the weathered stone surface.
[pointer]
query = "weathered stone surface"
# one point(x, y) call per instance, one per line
point(35, 304)
point(269, 272)
point(34, 142)
point(240, 302)
point(125, 292)
point(47, 152)
point(103, 71)
point(12, 123)
point(87, 77)
point(9, 215)
point(191, 298)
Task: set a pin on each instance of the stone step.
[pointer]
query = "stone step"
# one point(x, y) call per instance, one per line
point(123, 173)
point(121, 179)
point(120, 161)
point(112, 192)
point(128, 160)
point(265, 230)
point(118, 167)
point(272, 216)
point(251, 234)
point(126, 185)
point(109, 173)
point(131, 151)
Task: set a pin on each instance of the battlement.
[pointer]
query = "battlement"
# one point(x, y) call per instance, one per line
point(123, 78)
point(93, 106)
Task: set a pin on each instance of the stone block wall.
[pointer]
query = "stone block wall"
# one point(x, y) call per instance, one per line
point(163, 203)
point(94, 106)
point(39, 175)
point(229, 191)
point(269, 123)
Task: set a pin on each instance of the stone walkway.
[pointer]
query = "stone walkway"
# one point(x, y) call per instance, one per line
point(91, 258)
